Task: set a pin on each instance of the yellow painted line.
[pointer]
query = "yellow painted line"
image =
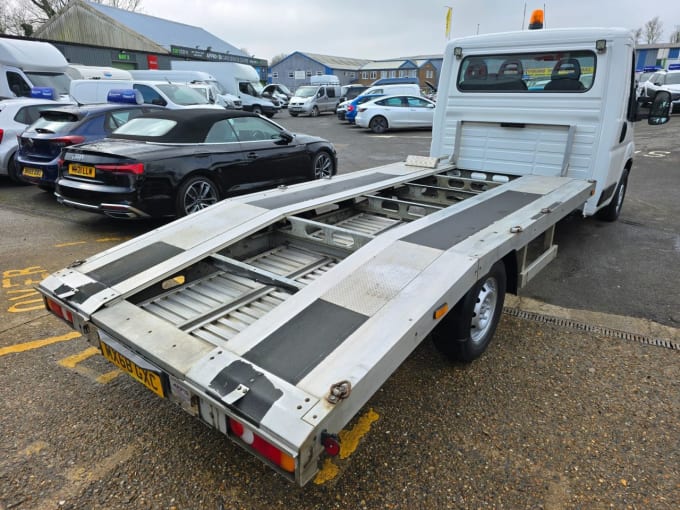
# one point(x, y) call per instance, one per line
point(74, 243)
point(349, 441)
point(112, 239)
point(108, 376)
point(37, 344)
point(72, 361)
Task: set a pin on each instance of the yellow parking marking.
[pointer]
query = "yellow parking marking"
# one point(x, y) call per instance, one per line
point(37, 344)
point(72, 361)
point(108, 376)
point(112, 239)
point(349, 441)
point(74, 243)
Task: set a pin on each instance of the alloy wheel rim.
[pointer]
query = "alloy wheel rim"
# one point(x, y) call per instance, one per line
point(198, 196)
point(484, 309)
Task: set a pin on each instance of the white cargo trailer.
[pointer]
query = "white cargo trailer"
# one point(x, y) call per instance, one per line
point(275, 317)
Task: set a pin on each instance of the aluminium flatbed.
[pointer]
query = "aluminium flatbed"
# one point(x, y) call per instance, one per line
point(274, 317)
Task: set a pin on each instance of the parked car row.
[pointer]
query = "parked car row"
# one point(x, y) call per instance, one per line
point(660, 79)
point(138, 161)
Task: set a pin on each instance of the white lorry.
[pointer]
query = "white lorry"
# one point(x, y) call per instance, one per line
point(275, 317)
point(239, 80)
point(25, 65)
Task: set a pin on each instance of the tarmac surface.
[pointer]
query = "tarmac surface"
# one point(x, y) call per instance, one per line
point(573, 406)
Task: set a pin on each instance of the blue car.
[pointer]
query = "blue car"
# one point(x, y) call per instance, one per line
point(351, 111)
point(41, 143)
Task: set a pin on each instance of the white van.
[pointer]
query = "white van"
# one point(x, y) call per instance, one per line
point(411, 89)
point(28, 64)
point(163, 93)
point(237, 79)
point(192, 78)
point(83, 72)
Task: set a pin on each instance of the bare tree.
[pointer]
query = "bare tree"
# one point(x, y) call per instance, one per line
point(675, 36)
point(637, 33)
point(277, 58)
point(653, 30)
point(20, 17)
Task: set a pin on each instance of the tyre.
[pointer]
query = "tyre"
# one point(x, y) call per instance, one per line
point(611, 212)
point(465, 332)
point(13, 171)
point(257, 109)
point(194, 194)
point(378, 124)
point(315, 112)
point(322, 165)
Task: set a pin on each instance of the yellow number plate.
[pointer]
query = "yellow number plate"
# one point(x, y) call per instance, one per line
point(32, 172)
point(148, 378)
point(81, 170)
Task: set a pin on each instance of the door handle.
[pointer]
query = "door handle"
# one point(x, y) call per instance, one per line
point(251, 155)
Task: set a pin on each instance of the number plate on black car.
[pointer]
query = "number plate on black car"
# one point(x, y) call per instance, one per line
point(81, 170)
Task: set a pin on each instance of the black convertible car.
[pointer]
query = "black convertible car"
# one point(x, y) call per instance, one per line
point(175, 162)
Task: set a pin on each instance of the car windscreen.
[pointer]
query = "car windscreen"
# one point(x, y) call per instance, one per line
point(673, 79)
point(182, 94)
point(58, 81)
point(306, 91)
point(535, 72)
point(54, 122)
point(146, 127)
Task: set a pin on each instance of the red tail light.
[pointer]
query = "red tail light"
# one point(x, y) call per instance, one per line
point(57, 310)
point(267, 450)
point(350, 108)
point(134, 168)
point(68, 140)
point(2, 132)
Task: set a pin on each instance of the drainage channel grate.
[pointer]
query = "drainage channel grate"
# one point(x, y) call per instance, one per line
point(612, 333)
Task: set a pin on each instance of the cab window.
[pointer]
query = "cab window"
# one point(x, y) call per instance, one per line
point(534, 72)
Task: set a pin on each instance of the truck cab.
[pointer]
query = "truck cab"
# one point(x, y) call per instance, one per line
point(541, 102)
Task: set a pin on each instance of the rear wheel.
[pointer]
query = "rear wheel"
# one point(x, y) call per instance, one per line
point(465, 332)
point(257, 109)
point(196, 193)
point(378, 124)
point(611, 212)
point(13, 170)
point(323, 165)
point(315, 112)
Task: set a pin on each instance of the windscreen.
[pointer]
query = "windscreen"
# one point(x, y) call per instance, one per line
point(54, 122)
point(58, 81)
point(146, 126)
point(306, 91)
point(182, 94)
point(534, 72)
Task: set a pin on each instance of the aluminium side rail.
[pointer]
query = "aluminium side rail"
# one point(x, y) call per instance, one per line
point(275, 317)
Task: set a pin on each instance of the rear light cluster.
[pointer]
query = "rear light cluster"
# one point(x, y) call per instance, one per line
point(64, 141)
point(58, 310)
point(267, 450)
point(2, 133)
point(134, 168)
point(350, 108)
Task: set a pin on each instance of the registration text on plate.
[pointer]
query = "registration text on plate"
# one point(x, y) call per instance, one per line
point(147, 377)
point(32, 172)
point(81, 170)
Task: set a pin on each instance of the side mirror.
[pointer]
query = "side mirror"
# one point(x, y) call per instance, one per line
point(285, 137)
point(660, 111)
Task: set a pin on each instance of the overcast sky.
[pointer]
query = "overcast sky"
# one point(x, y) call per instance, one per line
point(386, 29)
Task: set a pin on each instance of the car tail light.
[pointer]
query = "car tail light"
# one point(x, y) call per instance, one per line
point(350, 108)
point(264, 448)
point(361, 109)
point(58, 310)
point(2, 133)
point(64, 141)
point(133, 168)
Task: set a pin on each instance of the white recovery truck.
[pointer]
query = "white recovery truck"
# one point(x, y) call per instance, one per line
point(275, 317)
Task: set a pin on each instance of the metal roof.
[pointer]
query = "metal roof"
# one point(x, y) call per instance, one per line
point(336, 62)
point(386, 64)
point(165, 33)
